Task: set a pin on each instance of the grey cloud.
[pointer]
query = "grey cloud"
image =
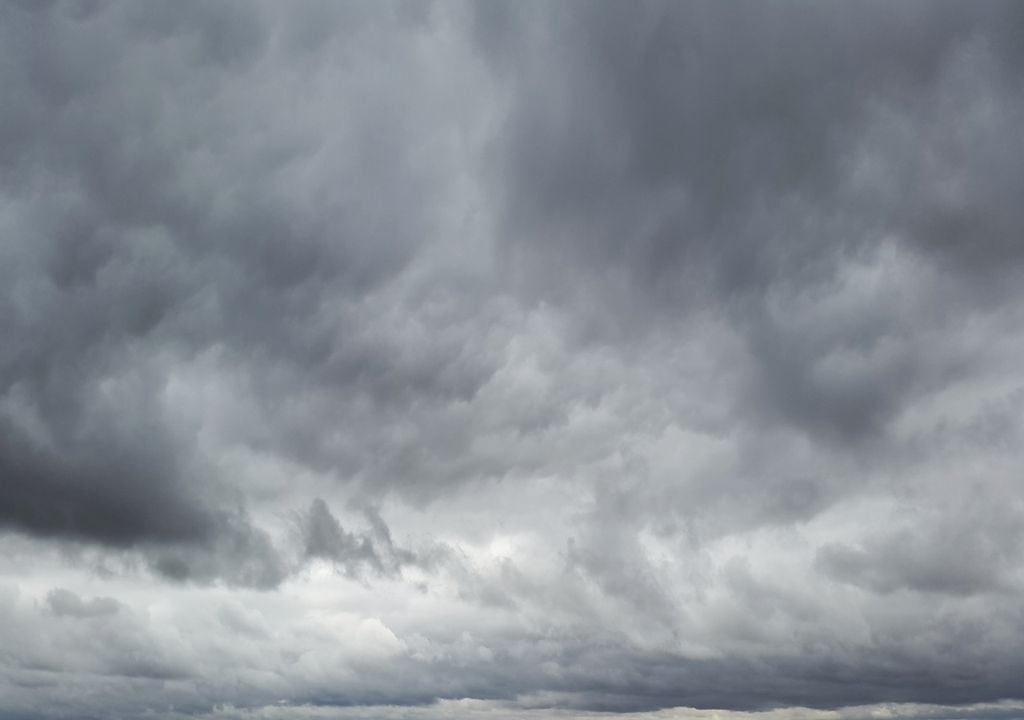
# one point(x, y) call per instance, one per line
point(585, 667)
point(964, 551)
point(65, 602)
point(160, 210)
point(356, 553)
point(240, 620)
point(87, 496)
point(100, 637)
point(651, 100)
point(325, 538)
point(239, 554)
point(678, 344)
point(685, 157)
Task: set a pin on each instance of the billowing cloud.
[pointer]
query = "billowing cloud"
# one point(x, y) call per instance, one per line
point(511, 359)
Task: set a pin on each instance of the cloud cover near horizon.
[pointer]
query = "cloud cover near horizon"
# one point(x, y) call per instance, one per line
point(511, 359)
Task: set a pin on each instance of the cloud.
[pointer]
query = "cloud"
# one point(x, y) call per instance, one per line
point(354, 553)
point(970, 548)
point(679, 346)
point(151, 240)
point(65, 602)
point(692, 157)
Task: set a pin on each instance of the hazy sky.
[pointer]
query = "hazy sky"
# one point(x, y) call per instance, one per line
point(511, 359)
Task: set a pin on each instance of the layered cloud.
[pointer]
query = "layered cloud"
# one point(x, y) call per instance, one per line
point(511, 359)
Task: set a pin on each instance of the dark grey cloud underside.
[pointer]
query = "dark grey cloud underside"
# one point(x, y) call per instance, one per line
point(603, 678)
point(600, 675)
point(72, 497)
point(730, 105)
point(142, 228)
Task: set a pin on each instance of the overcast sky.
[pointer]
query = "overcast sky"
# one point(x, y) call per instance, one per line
point(511, 359)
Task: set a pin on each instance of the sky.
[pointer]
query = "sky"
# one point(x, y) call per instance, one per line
point(511, 360)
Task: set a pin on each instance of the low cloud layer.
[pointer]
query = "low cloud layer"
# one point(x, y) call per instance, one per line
point(511, 359)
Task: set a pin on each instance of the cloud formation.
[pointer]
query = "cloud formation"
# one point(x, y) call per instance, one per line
point(678, 345)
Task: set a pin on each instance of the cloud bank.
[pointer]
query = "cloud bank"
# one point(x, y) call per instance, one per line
point(511, 359)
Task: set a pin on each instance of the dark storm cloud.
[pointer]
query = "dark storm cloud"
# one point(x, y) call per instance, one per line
point(158, 208)
point(723, 155)
point(690, 331)
point(825, 177)
point(74, 495)
point(725, 108)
